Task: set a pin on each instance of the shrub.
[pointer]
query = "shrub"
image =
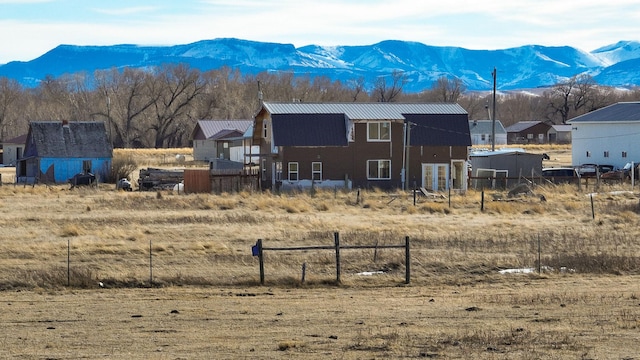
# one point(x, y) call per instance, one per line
point(121, 167)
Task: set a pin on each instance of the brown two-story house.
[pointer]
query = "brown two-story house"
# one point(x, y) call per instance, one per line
point(362, 145)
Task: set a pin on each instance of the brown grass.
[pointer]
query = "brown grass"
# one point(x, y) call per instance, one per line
point(178, 279)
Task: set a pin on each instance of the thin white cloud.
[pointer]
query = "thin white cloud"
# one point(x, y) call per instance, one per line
point(21, 2)
point(126, 10)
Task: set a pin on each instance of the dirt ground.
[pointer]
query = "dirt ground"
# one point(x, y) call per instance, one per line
point(527, 318)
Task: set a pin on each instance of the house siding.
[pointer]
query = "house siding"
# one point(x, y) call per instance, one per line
point(204, 150)
point(612, 137)
point(350, 162)
point(56, 170)
point(539, 132)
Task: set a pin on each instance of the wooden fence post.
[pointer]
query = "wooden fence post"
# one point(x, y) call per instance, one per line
point(407, 261)
point(261, 260)
point(68, 262)
point(336, 237)
point(150, 265)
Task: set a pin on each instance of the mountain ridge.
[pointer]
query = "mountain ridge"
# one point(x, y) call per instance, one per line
point(528, 66)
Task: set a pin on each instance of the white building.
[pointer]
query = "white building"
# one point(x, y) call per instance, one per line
point(607, 136)
point(481, 130)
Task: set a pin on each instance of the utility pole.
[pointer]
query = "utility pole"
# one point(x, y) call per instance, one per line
point(493, 113)
point(407, 151)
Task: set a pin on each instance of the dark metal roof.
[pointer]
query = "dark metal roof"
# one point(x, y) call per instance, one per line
point(309, 129)
point(211, 128)
point(365, 111)
point(521, 126)
point(76, 139)
point(623, 111)
point(439, 129)
point(484, 127)
point(17, 140)
point(227, 134)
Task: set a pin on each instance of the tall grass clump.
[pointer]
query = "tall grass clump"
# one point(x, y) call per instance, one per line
point(122, 165)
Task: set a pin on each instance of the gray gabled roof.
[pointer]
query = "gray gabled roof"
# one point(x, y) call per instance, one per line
point(76, 139)
point(484, 127)
point(623, 111)
point(365, 111)
point(212, 127)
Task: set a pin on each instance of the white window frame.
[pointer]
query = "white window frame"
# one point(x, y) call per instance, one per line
point(316, 174)
point(293, 174)
point(378, 125)
point(379, 167)
point(278, 170)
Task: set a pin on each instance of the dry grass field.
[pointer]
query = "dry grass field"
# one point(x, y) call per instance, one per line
point(100, 273)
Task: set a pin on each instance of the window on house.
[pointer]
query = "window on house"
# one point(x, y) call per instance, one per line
point(293, 171)
point(278, 170)
point(379, 131)
point(378, 169)
point(316, 171)
point(264, 169)
point(588, 153)
point(606, 154)
point(530, 136)
point(483, 137)
point(264, 128)
point(624, 154)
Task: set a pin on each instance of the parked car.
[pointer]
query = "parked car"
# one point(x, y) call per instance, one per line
point(82, 179)
point(592, 170)
point(560, 175)
point(124, 184)
point(624, 173)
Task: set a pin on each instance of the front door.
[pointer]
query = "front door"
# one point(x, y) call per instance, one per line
point(435, 176)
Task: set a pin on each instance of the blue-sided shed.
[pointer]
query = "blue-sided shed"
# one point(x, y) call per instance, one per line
point(55, 151)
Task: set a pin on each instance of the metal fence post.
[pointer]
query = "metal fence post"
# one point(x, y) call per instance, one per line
point(407, 261)
point(336, 237)
point(261, 260)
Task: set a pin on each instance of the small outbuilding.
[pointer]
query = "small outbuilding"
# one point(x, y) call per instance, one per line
point(528, 132)
point(56, 151)
point(503, 168)
point(559, 134)
point(13, 150)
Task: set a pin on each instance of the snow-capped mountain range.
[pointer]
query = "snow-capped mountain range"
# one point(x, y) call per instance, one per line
point(525, 67)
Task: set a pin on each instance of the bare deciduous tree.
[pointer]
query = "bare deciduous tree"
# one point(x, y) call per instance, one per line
point(447, 90)
point(175, 88)
point(567, 98)
point(123, 100)
point(10, 93)
point(389, 92)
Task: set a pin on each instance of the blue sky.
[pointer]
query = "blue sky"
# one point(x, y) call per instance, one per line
point(29, 28)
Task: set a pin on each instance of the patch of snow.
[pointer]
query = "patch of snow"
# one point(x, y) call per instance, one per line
point(370, 273)
point(517, 271)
